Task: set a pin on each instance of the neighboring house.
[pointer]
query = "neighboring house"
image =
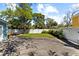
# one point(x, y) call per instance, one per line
point(75, 21)
point(3, 30)
point(72, 34)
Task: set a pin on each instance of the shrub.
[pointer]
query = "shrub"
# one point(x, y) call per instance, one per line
point(44, 31)
point(57, 33)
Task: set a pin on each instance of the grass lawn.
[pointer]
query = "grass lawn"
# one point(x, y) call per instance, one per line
point(35, 36)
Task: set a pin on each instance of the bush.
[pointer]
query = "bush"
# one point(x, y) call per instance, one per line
point(57, 33)
point(44, 31)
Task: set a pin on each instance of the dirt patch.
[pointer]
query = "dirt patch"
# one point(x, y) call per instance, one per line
point(37, 47)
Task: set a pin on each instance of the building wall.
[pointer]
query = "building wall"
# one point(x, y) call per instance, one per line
point(75, 21)
point(4, 31)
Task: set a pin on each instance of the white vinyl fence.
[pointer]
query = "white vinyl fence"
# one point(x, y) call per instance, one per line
point(19, 31)
point(37, 30)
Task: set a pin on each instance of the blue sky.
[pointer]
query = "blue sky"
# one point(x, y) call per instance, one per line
point(54, 10)
point(2, 6)
point(51, 10)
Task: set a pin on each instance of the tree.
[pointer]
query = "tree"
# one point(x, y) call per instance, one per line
point(50, 23)
point(7, 14)
point(14, 24)
point(22, 14)
point(39, 20)
point(24, 10)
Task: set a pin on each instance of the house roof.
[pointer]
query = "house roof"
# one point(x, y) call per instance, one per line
point(3, 21)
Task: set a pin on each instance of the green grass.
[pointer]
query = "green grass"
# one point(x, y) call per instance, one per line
point(35, 36)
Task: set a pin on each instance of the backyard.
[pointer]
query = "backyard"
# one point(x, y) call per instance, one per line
point(30, 29)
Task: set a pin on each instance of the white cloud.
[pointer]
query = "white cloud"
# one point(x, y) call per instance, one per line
point(40, 7)
point(46, 8)
point(57, 18)
point(75, 5)
point(51, 9)
point(11, 5)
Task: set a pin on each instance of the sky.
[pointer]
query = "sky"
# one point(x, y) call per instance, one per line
point(57, 11)
point(51, 10)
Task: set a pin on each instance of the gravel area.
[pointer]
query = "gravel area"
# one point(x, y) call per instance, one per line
point(36, 47)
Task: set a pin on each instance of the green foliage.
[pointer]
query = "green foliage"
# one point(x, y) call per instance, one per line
point(23, 13)
point(39, 20)
point(44, 31)
point(57, 33)
point(22, 16)
point(7, 14)
point(14, 23)
point(50, 23)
